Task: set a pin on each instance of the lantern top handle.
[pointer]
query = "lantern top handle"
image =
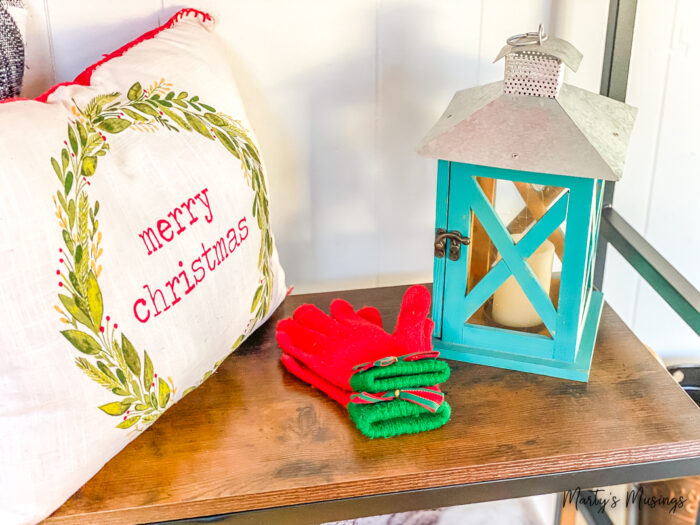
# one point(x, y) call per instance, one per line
point(526, 39)
point(540, 42)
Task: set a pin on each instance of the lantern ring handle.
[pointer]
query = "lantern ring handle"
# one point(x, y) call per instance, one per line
point(527, 39)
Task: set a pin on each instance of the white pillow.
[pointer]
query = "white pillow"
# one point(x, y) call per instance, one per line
point(136, 255)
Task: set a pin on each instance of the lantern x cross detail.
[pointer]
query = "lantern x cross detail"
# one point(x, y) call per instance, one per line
point(514, 256)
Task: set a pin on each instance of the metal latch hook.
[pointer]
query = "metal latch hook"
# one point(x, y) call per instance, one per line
point(456, 241)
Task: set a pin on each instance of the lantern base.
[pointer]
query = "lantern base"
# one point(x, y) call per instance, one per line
point(576, 371)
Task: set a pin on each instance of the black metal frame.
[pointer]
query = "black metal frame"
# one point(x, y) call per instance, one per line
point(447, 496)
point(675, 289)
point(613, 84)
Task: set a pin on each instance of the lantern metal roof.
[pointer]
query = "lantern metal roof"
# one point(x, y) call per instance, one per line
point(569, 131)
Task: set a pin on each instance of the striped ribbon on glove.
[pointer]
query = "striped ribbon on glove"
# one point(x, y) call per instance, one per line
point(429, 397)
point(391, 359)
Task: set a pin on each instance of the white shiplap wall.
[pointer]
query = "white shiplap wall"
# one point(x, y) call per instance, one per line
point(340, 92)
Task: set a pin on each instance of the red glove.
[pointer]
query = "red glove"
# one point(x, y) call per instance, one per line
point(342, 348)
point(388, 382)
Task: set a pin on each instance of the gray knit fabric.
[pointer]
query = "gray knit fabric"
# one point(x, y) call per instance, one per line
point(11, 52)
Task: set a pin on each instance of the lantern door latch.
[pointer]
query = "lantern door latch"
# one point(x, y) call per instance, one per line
point(456, 241)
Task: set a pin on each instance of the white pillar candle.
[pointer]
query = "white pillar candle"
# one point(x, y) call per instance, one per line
point(511, 307)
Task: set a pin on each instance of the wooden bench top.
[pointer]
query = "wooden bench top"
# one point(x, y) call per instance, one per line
point(254, 437)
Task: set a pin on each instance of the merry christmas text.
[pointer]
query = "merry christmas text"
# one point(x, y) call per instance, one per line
point(156, 299)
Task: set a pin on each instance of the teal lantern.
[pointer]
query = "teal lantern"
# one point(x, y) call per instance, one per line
point(521, 168)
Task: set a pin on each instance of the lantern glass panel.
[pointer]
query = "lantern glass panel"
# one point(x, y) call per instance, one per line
point(519, 206)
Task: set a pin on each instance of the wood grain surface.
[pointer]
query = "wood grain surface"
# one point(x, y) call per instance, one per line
point(253, 436)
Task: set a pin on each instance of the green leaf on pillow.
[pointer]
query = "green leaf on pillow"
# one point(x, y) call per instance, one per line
point(114, 125)
point(94, 140)
point(134, 115)
point(177, 118)
point(95, 106)
point(120, 391)
point(198, 125)
point(149, 418)
point(163, 392)
point(68, 184)
point(82, 303)
point(62, 200)
point(94, 300)
point(208, 108)
point(130, 356)
point(228, 144)
point(256, 298)
point(71, 138)
point(106, 371)
point(82, 133)
point(82, 341)
point(71, 208)
point(252, 150)
point(120, 372)
point(67, 240)
point(154, 401)
point(238, 341)
point(78, 254)
point(96, 374)
point(129, 422)
point(89, 164)
point(74, 280)
point(57, 169)
point(146, 108)
point(75, 311)
point(136, 389)
point(115, 408)
point(64, 158)
point(214, 119)
point(187, 391)
point(268, 242)
point(134, 91)
point(147, 371)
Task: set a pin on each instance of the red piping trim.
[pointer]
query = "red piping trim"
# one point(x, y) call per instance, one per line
point(83, 79)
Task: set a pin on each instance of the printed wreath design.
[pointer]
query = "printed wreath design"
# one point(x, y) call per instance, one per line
point(109, 357)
